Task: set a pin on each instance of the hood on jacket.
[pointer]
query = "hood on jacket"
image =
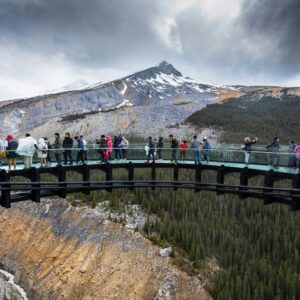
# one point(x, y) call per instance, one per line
point(9, 137)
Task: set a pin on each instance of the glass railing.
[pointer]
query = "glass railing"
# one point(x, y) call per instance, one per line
point(138, 152)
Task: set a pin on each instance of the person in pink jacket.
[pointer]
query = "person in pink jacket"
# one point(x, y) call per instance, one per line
point(297, 152)
point(109, 146)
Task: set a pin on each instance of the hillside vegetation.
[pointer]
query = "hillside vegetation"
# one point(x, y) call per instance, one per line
point(256, 247)
point(264, 118)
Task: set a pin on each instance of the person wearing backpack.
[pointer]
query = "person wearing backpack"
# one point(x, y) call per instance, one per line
point(174, 146)
point(11, 145)
point(42, 152)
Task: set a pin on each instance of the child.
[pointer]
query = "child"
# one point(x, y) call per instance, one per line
point(183, 147)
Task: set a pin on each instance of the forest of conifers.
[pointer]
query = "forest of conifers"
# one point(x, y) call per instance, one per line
point(255, 246)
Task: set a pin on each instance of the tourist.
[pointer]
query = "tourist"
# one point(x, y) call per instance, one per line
point(57, 148)
point(292, 161)
point(124, 147)
point(67, 145)
point(195, 145)
point(159, 147)
point(151, 150)
point(109, 147)
point(117, 147)
point(102, 144)
point(183, 148)
point(85, 148)
point(2, 152)
point(247, 147)
point(174, 146)
point(80, 149)
point(274, 157)
point(42, 152)
point(11, 145)
point(206, 150)
point(49, 147)
point(297, 152)
point(26, 148)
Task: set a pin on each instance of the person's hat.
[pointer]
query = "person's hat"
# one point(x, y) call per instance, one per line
point(205, 138)
point(9, 137)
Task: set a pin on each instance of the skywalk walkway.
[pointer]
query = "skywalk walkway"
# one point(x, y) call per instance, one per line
point(14, 190)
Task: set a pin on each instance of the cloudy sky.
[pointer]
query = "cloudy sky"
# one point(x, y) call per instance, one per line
point(48, 44)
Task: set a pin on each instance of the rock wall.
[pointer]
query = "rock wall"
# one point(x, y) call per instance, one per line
point(60, 252)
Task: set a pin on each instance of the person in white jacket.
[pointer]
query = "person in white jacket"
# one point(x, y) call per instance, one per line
point(26, 148)
point(42, 152)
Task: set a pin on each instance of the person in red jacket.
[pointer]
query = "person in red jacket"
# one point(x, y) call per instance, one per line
point(183, 147)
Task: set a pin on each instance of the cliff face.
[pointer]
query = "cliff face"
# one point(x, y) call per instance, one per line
point(60, 252)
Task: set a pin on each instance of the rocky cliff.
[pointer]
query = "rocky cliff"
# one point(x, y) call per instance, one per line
point(60, 252)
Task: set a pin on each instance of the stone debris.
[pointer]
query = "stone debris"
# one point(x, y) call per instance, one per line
point(165, 252)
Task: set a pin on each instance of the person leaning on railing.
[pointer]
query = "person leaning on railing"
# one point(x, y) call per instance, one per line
point(247, 147)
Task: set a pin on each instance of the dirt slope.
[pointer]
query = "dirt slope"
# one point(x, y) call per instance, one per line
point(60, 252)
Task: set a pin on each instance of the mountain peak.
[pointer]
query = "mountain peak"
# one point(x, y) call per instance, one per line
point(168, 69)
point(164, 67)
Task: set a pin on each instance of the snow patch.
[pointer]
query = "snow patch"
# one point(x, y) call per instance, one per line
point(126, 102)
point(124, 89)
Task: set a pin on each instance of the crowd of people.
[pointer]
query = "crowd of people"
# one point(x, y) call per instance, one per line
point(274, 152)
point(116, 148)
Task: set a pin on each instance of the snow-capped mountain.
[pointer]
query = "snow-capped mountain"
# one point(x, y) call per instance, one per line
point(146, 102)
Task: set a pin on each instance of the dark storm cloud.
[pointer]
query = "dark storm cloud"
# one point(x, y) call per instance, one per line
point(90, 32)
point(278, 22)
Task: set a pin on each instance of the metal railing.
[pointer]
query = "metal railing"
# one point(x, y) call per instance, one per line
point(138, 152)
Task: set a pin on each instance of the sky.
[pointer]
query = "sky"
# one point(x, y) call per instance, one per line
point(49, 44)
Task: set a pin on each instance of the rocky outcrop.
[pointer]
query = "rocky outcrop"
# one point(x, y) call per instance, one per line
point(60, 252)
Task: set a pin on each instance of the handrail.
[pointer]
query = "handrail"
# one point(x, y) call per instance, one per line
point(222, 150)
